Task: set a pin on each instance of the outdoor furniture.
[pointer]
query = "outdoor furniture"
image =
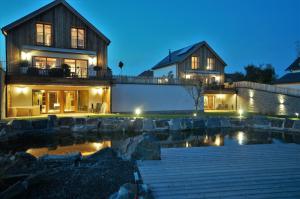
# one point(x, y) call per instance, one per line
point(21, 111)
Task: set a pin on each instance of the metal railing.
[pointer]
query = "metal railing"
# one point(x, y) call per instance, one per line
point(267, 88)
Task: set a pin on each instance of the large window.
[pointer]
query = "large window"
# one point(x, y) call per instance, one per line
point(195, 62)
point(43, 34)
point(77, 38)
point(44, 62)
point(78, 68)
point(210, 63)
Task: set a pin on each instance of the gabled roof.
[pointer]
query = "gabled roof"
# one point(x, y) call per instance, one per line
point(289, 78)
point(147, 73)
point(181, 54)
point(47, 7)
point(294, 66)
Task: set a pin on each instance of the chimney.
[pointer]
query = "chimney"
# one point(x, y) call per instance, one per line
point(170, 55)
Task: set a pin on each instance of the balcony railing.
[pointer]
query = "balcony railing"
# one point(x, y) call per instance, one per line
point(61, 73)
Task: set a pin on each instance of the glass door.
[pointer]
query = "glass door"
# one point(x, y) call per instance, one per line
point(53, 102)
point(69, 101)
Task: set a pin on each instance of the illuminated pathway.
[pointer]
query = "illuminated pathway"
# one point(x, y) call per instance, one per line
point(248, 171)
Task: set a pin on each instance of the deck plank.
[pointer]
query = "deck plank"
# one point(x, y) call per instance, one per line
point(250, 171)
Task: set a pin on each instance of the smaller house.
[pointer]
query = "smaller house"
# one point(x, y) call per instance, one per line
point(292, 78)
point(195, 61)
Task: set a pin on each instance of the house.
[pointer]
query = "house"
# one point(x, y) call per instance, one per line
point(195, 61)
point(292, 78)
point(56, 63)
point(199, 61)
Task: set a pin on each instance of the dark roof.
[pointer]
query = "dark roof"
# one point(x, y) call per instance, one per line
point(47, 7)
point(289, 78)
point(181, 54)
point(147, 73)
point(294, 66)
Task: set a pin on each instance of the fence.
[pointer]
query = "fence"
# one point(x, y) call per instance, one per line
point(267, 88)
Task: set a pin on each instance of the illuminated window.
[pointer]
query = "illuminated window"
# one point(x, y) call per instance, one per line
point(195, 63)
point(77, 38)
point(44, 62)
point(210, 63)
point(43, 34)
point(77, 67)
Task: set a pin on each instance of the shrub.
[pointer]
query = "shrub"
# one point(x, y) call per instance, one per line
point(24, 63)
point(66, 70)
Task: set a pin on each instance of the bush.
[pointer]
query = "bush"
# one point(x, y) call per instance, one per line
point(33, 71)
point(24, 63)
point(56, 72)
point(66, 70)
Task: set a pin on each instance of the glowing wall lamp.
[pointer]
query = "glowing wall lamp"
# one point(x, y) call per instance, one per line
point(93, 61)
point(98, 91)
point(21, 90)
point(25, 56)
point(297, 115)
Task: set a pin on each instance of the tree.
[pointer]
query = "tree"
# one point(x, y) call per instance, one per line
point(261, 74)
point(121, 64)
point(195, 90)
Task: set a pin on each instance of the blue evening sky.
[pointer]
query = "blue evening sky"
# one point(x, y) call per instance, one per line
point(241, 31)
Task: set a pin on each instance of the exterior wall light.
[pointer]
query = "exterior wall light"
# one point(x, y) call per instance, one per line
point(98, 91)
point(297, 115)
point(93, 61)
point(137, 111)
point(21, 90)
point(25, 56)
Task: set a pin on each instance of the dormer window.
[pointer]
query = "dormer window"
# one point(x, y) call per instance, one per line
point(77, 38)
point(195, 62)
point(43, 34)
point(210, 63)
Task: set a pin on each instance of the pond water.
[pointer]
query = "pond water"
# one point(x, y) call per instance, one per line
point(89, 144)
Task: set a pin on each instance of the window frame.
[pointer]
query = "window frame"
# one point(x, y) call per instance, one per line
point(44, 35)
point(77, 40)
point(44, 57)
point(197, 62)
point(87, 66)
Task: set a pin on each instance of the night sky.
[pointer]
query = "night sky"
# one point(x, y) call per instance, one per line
point(241, 31)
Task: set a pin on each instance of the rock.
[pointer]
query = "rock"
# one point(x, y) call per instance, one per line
point(148, 125)
point(277, 123)
point(92, 124)
point(296, 125)
point(79, 125)
point(109, 125)
point(288, 124)
point(126, 191)
point(136, 125)
point(175, 125)
point(161, 125)
point(20, 125)
point(260, 122)
point(66, 122)
point(198, 124)
point(186, 124)
point(106, 153)
point(142, 147)
point(52, 121)
point(225, 123)
point(71, 158)
point(213, 123)
point(39, 124)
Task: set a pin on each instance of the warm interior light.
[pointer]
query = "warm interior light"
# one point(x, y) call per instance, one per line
point(188, 76)
point(92, 61)
point(221, 96)
point(98, 91)
point(137, 111)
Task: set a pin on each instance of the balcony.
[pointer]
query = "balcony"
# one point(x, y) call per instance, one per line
point(34, 75)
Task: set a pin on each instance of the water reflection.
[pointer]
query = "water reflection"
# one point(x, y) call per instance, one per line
point(241, 137)
point(85, 149)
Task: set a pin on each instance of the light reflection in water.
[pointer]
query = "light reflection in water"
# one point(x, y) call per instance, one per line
point(218, 140)
point(85, 149)
point(241, 137)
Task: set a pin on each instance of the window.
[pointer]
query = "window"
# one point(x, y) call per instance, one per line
point(43, 34)
point(210, 63)
point(44, 62)
point(77, 38)
point(195, 63)
point(77, 67)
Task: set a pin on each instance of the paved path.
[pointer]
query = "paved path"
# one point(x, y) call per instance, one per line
point(249, 171)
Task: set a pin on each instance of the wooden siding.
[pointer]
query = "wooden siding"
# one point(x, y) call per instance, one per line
point(62, 20)
point(203, 53)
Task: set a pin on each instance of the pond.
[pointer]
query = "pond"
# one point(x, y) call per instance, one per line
point(89, 144)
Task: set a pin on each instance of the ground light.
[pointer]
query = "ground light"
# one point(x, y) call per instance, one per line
point(297, 115)
point(137, 111)
point(195, 114)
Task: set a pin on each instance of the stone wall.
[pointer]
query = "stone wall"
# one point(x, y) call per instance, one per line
point(259, 101)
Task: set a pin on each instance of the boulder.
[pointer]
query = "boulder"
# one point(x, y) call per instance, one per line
point(213, 123)
point(288, 124)
point(40, 124)
point(148, 125)
point(142, 147)
point(126, 191)
point(198, 124)
point(79, 125)
point(296, 125)
point(20, 125)
point(66, 122)
point(52, 121)
point(161, 125)
point(175, 124)
point(186, 124)
point(225, 123)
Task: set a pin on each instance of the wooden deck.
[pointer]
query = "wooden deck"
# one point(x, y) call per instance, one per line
point(250, 171)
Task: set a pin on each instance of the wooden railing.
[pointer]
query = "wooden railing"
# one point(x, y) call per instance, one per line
point(267, 88)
